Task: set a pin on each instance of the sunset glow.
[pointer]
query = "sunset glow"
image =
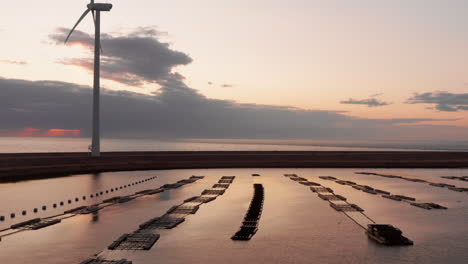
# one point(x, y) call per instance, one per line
point(35, 132)
point(372, 70)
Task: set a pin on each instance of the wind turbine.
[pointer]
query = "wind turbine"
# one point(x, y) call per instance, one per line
point(95, 9)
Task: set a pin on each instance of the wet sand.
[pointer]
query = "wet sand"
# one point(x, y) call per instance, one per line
point(23, 166)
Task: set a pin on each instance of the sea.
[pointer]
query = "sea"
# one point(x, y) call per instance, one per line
point(47, 144)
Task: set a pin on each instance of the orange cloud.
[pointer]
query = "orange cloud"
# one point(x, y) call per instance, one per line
point(35, 132)
point(56, 132)
point(27, 132)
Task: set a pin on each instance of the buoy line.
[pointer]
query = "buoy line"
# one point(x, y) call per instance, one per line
point(24, 226)
point(91, 196)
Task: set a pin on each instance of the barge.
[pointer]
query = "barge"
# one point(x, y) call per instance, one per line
point(387, 235)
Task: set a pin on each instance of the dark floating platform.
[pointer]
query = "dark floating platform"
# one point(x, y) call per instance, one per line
point(429, 206)
point(135, 241)
point(125, 199)
point(319, 189)
point(201, 199)
point(36, 223)
point(255, 174)
point(104, 261)
point(75, 210)
point(148, 191)
point(370, 191)
point(387, 235)
point(155, 191)
point(458, 189)
point(298, 179)
point(442, 185)
point(308, 183)
point(172, 185)
point(381, 191)
point(330, 178)
point(245, 233)
point(164, 222)
point(217, 191)
point(112, 199)
point(332, 197)
point(25, 223)
point(252, 217)
point(435, 184)
point(346, 207)
point(45, 223)
point(392, 197)
point(225, 181)
point(183, 209)
point(404, 197)
point(221, 185)
point(91, 209)
point(460, 178)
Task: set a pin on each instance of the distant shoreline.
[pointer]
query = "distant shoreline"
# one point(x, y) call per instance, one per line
point(26, 166)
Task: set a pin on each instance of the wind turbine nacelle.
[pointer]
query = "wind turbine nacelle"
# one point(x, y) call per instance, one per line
point(100, 7)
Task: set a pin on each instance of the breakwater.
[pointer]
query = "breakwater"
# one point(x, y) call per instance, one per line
point(16, 167)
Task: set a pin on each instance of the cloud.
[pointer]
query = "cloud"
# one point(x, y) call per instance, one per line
point(35, 132)
point(371, 102)
point(227, 85)
point(418, 120)
point(14, 62)
point(134, 59)
point(177, 111)
point(442, 101)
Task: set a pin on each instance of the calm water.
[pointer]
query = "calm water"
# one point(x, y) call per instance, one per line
point(16, 145)
point(296, 226)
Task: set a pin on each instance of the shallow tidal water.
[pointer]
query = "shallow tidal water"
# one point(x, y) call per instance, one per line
point(296, 226)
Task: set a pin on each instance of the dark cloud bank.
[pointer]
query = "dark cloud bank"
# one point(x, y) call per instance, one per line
point(175, 110)
point(442, 101)
point(371, 102)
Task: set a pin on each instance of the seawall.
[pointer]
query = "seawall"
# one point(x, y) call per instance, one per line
point(23, 166)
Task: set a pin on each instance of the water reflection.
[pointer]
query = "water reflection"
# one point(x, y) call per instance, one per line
point(95, 216)
point(296, 226)
point(165, 196)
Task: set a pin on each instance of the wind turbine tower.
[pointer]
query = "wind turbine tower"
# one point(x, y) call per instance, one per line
point(95, 9)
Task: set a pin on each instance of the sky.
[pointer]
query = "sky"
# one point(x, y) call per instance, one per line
point(240, 69)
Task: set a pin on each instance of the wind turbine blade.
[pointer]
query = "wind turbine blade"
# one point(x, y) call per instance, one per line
point(79, 20)
point(94, 18)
